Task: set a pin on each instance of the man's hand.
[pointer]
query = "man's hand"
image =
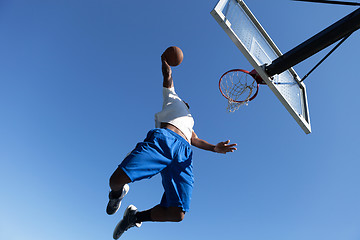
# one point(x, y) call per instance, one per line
point(225, 147)
point(166, 70)
point(165, 67)
point(221, 147)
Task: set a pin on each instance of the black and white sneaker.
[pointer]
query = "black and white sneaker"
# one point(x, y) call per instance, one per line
point(128, 221)
point(115, 201)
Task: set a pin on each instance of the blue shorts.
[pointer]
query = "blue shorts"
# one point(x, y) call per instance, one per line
point(164, 151)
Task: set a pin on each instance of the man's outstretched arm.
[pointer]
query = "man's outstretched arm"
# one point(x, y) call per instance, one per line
point(221, 147)
point(167, 73)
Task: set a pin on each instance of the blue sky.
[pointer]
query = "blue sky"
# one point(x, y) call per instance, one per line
point(80, 82)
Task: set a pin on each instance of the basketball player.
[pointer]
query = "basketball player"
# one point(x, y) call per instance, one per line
point(166, 150)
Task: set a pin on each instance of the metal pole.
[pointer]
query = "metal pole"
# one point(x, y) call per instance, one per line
point(327, 55)
point(331, 2)
point(313, 45)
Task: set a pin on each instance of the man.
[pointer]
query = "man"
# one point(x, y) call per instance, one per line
point(165, 150)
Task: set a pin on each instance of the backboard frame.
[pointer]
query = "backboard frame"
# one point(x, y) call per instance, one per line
point(303, 118)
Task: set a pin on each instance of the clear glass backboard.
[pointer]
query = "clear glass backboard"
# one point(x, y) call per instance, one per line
point(255, 44)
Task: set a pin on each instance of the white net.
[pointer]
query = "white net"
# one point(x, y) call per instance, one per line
point(238, 87)
point(233, 106)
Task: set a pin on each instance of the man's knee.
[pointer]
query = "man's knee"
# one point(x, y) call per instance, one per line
point(178, 214)
point(181, 216)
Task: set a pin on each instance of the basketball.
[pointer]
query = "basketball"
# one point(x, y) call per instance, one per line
point(173, 56)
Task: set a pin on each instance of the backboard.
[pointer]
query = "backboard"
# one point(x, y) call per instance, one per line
point(249, 36)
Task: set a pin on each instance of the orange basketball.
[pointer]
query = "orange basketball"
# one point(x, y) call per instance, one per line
point(173, 56)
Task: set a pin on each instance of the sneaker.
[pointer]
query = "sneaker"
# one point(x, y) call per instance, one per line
point(115, 202)
point(127, 222)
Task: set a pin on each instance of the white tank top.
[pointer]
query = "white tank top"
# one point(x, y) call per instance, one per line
point(175, 112)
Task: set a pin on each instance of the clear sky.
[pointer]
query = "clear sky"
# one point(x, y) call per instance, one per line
point(80, 82)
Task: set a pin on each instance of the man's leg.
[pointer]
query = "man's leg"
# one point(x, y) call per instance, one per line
point(118, 180)
point(134, 218)
point(161, 214)
point(119, 188)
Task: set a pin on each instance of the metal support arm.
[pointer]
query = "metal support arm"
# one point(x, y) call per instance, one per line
point(325, 38)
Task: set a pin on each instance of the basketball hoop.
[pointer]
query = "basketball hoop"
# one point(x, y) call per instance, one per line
point(239, 87)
